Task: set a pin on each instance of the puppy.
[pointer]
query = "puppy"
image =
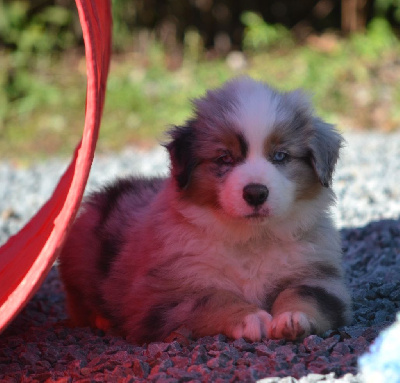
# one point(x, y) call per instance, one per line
point(238, 240)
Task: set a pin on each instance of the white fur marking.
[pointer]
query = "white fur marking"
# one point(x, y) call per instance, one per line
point(290, 325)
point(261, 171)
point(254, 326)
point(256, 113)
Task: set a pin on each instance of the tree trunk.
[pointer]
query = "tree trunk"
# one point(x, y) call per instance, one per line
point(354, 15)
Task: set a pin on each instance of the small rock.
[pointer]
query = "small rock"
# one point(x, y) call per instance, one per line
point(285, 352)
point(183, 375)
point(162, 366)
point(242, 345)
point(219, 346)
point(312, 342)
point(263, 350)
point(29, 358)
point(180, 361)
point(328, 343)
point(202, 369)
point(217, 362)
point(199, 355)
point(358, 345)
point(395, 295)
point(319, 366)
point(341, 349)
point(298, 369)
point(156, 348)
point(140, 369)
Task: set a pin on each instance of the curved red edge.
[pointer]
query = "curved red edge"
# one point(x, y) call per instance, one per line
point(28, 256)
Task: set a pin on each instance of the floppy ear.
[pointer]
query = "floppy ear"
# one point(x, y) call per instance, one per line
point(181, 154)
point(325, 146)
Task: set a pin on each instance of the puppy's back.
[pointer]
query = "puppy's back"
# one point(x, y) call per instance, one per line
point(96, 239)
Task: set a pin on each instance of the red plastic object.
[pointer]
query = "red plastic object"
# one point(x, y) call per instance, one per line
point(27, 257)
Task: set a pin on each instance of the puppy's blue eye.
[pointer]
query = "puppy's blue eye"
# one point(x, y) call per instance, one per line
point(280, 157)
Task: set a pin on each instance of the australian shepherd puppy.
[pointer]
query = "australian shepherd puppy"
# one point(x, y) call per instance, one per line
point(238, 240)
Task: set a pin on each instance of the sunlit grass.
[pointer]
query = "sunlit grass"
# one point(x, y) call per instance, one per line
point(350, 82)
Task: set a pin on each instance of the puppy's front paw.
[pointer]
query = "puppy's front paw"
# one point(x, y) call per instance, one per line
point(253, 327)
point(290, 325)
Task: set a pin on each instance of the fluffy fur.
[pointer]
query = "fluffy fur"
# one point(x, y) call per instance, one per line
point(238, 240)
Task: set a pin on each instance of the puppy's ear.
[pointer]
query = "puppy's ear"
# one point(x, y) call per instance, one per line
point(325, 146)
point(181, 154)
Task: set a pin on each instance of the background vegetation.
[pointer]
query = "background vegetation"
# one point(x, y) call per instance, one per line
point(345, 54)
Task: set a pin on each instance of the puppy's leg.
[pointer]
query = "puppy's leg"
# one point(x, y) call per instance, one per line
point(224, 312)
point(302, 310)
point(79, 314)
point(202, 313)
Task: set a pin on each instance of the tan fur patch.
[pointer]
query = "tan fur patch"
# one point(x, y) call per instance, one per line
point(308, 186)
point(296, 169)
point(203, 187)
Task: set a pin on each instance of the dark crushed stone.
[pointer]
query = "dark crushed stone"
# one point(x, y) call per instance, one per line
point(39, 347)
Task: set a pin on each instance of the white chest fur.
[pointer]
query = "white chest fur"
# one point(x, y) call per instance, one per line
point(248, 269)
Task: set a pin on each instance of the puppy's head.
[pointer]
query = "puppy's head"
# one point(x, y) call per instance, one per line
point(252, 153)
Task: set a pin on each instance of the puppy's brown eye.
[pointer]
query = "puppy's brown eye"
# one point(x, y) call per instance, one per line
point(225, 158)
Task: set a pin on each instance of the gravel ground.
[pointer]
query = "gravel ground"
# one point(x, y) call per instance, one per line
point(39, 347)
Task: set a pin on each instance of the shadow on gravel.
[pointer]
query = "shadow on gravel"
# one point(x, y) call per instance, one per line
point(39, 347)
point(372, 264)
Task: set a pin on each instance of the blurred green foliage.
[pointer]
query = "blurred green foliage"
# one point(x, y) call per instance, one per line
point(41, 32)
point(389, 8)
point(379, 37)
point(259, 35)
point(124, 15)
point(42, 76)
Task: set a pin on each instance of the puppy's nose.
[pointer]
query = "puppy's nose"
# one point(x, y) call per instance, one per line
point(255, 194)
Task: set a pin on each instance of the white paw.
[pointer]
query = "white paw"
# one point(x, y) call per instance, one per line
point(253, 327)
point(290, 325)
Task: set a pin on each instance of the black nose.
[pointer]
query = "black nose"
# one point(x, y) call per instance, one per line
point(255, 194)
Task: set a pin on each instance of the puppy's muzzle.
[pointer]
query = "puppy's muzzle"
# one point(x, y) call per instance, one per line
point(255, 194)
